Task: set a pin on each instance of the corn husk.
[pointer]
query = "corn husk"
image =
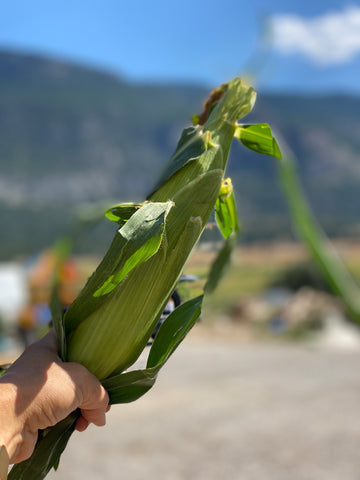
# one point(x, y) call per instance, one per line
point(109, 324)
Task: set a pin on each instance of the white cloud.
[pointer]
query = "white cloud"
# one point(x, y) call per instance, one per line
point(330, 39)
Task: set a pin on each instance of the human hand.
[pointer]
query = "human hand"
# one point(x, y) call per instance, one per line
point(39, 390)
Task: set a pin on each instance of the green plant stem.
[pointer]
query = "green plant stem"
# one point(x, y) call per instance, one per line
point(315, 239)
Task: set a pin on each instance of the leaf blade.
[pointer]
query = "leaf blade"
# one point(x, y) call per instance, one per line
point(225, 210)
point(121, 213)
point(173, 331)
point(129, 386)
point(259, 138)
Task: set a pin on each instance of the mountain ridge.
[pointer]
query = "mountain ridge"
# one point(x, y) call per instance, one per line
point(69, 134)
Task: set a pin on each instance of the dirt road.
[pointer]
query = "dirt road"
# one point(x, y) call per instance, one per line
point(229, 411)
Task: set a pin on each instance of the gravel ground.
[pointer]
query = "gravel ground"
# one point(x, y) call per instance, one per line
point(225, 410)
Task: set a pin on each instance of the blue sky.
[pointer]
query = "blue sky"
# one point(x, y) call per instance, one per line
point(294, 46)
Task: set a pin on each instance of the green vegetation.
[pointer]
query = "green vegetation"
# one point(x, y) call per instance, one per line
point(300, 275)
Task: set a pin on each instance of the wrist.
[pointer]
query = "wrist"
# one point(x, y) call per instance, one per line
point(10, 431)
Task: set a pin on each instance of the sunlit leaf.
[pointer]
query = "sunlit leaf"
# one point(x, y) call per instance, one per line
point(189, 148)
point(225, 210)
point(121, 213)
point(258, 138)
point(147, 250)
point(140, 238)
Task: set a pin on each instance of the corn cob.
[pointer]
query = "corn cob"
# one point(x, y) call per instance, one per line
point(108, 332)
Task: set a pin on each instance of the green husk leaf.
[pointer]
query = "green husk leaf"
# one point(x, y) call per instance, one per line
point(57, 316)
point(228, 223)
point(3, 368)
point(237, 102)
point(150, 247)
point(49, 447)
point(189, 148)
point(258, 138)
point(226, 215)
point(220, 264)
point(173, 331)
point(128, 319)
point(121, 213)
point(136, 241)
point(56, 464)
point(128, 387)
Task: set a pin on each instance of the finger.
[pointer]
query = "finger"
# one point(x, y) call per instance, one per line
point(97, 417)
point(81, 424)
point(91, 396)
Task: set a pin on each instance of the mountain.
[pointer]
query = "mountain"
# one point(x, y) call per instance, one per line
point(69, 134)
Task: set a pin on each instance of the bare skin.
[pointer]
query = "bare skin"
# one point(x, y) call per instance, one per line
point(39, 390)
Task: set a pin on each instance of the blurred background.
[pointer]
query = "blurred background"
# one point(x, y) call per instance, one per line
point(93, 97)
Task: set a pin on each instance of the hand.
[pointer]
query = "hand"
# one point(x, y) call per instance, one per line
point(39, 390)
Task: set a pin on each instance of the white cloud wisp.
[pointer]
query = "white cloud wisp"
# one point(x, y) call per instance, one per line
point(330, 39)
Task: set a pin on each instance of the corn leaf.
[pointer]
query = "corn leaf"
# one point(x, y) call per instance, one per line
point(50, 445)
point(258, 138)
point(316, 240)
point(130, 386)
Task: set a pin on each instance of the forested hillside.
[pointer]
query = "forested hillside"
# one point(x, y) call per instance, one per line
point(69, 135)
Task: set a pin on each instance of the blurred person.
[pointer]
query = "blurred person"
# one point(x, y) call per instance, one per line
point(38, 391)
point(34, 318)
